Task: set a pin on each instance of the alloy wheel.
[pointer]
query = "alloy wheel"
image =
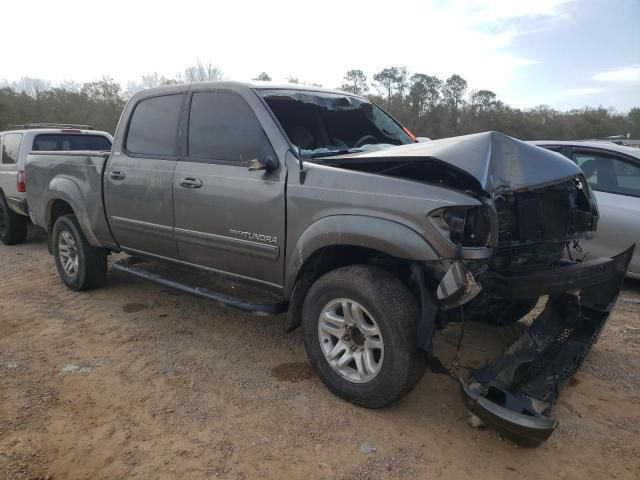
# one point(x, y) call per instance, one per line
point(351, 340)
point(68, 253)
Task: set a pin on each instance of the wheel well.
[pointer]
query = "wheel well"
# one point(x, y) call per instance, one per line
point(335, 256)
point(56, 210)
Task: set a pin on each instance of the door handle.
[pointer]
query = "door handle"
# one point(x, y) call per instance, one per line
point(190, 182)
point(117, 175)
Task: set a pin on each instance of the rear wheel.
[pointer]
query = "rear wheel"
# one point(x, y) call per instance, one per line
point(359, 324)
point(80, 266)
point(13, 226)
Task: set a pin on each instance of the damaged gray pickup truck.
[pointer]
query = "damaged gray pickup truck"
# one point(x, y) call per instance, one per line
point(368, 239)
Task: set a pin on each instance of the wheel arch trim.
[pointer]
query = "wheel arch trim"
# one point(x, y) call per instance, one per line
point(66, 190)
point(386, 236)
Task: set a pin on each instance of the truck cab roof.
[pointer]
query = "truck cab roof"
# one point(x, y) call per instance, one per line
point(238, 86)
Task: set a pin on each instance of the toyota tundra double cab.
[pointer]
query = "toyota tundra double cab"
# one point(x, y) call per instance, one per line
point(15, 144)
point(370, 240)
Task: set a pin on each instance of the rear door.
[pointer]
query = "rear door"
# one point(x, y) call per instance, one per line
point(228, 218)
point(616, 182)
point(138, 179)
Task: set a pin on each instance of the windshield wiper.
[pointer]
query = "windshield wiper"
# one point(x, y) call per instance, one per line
point(331, 153)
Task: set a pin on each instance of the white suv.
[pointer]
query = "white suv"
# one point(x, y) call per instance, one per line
point(15, 145)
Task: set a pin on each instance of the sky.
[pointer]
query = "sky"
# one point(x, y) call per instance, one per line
point(561, 53)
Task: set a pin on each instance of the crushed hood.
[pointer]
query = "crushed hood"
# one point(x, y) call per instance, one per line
point(496, 161)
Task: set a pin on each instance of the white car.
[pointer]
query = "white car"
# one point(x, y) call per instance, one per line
point(613, 172)
point(15, 145)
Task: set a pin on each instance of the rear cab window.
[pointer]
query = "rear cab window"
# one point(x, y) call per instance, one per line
point(70, 142)
point(11, 148)
point(153, 127)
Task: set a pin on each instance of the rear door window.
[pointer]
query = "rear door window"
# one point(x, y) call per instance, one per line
point(608, 173)
point(223, 128)
point(70, 142)
point(11, 147)
point(153, 128)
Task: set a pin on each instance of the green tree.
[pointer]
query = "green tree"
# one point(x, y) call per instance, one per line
point(454, 89)
point(201, 72)
point(482, 100)
point(105, 90)
point(385, 80)
point(634, 122)
point(355, 82)
point(424, 93)
point(263, 77)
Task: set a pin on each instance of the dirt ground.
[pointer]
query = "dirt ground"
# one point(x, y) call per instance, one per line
point(134, 380)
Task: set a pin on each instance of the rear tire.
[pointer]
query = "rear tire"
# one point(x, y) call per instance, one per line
point(385, 361)
point(80, 266)
point(13, 226)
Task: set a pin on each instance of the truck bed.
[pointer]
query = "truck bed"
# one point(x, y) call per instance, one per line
point(75, 178)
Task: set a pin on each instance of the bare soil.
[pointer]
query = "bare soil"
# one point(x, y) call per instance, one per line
point(134, 380)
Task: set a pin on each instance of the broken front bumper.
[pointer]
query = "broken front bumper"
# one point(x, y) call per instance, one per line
point(515, 393)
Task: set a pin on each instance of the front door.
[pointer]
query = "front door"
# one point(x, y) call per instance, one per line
point(228, 218)
point(138, 180)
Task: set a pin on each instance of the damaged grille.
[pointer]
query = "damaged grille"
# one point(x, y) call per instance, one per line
point(558, 212)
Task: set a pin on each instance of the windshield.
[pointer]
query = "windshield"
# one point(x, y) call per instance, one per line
point(322, 123)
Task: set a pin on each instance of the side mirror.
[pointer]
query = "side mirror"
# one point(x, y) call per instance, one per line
point(268, 164)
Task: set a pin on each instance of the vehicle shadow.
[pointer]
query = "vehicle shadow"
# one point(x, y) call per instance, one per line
point(36, 234)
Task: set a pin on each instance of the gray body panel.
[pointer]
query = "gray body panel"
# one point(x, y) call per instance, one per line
point(75, 178)
point(343, 207)
point(140, 206)
point(234, 223)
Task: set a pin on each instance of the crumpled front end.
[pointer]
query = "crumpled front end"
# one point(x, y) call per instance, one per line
point(499, 253)
point(515, 393)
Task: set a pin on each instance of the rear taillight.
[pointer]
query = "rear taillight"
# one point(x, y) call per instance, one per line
point(22, 181)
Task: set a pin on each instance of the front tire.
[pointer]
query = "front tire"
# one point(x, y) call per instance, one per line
point(359, 328)
point(13, 226)
point(80, 266)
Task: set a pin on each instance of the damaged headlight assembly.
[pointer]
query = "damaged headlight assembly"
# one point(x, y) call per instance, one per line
point(463, 226)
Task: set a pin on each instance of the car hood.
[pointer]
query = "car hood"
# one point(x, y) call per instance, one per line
point(496, 161)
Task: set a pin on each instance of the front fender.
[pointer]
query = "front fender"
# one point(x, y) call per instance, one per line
point(379, 234)
point(65, 189)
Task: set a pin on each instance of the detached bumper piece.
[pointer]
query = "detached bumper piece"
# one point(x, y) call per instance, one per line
point(515, 394)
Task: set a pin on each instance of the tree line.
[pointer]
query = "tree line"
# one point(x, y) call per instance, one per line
point(429, 106)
